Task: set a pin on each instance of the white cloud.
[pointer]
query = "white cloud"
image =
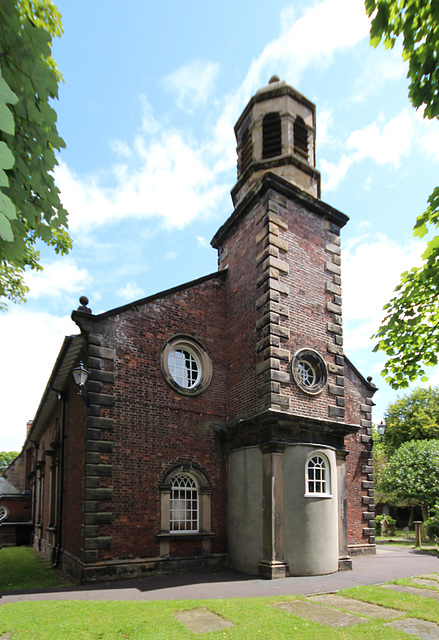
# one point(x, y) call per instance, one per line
point(333, 174)
point(429, 135)
point(374, 76)
point(160, 156)
point(131, 291)
point(58, 278)
point(203, 242)
point(372, 263)
point(33, 339)
point(385, 144)
point(193, 83)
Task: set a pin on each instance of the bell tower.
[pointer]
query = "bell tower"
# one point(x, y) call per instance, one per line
point(276, 132)
point(288, 410)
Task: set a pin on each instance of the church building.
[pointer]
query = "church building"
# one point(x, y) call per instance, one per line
point(219, 423)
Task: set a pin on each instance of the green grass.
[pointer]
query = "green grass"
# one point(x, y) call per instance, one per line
point(254, 618)
point(21, 568)
point(413, 606)
point(399, 540)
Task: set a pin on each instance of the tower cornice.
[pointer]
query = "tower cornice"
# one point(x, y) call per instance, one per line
point(273, 181)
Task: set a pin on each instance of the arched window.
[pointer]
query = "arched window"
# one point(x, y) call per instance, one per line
point(271, 135)
point(317, 476)
point(184, 504)
point(300, 138)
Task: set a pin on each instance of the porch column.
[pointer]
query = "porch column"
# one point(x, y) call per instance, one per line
point(273, 564)
point(344, 560)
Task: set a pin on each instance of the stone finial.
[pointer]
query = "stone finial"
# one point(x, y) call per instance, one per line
point(274, 79)
point(83, 306)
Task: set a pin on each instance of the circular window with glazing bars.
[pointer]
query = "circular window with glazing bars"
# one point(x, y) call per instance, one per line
point(309, 371)
point(3, 513)
point(186, 365)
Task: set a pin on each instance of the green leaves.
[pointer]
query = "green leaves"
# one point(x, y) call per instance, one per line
point(30, 208)
point(414, 416)
point(409, 334)
point(412, 474)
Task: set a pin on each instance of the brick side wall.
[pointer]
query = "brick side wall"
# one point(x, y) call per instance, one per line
point(359, 463)
point(153, 426)
point(239, 255)
point(73, 517)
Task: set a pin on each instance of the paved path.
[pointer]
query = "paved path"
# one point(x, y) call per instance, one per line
point(388, 564)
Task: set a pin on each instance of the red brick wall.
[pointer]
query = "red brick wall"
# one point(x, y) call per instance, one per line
point(242, 379)
point(154, 426)
point(19, 508)
point(74, 470)
point(358, 462)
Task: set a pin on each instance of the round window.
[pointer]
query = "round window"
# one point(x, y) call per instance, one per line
point(186, 365)
point(3, 513)
point(309, 371)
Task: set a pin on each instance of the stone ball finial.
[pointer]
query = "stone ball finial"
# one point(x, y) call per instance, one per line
point(274, 79)
point(83, 305)
point(369, 378)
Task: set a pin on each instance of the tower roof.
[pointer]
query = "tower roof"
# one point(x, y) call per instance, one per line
point(276, 133)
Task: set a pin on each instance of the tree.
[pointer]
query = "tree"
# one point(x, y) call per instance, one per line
point(30, 207)
point(412, 474)
point(409, 333)
point(6, 457)
point(414, 416)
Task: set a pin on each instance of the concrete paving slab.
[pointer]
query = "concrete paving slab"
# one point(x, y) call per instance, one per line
point(202, 620)
point(419, 628)
point(317, 613)
point(414, 591)
point(426, 583)
point(355, 606)
point(431, 576)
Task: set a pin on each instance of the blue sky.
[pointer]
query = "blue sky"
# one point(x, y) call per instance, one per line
point(151, 94)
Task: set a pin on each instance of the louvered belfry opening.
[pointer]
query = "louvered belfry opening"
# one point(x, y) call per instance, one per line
point(271, 135)
point(246, 151)
point(300, 138)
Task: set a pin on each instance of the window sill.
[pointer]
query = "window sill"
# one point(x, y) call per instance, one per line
point(318, 495)
point(183, 535)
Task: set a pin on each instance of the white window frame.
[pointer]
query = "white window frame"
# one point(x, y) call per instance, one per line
point(313, 481)
point(182, 369)
point(198, 353)
point(184, 507)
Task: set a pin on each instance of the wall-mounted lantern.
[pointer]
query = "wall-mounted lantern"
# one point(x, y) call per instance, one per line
point(80, 376)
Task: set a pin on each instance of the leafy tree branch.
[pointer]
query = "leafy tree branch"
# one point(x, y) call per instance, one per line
point(409, 334)
point(30, 207)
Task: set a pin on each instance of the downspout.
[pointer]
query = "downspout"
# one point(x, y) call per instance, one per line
point(34, 498)
point(59, 524)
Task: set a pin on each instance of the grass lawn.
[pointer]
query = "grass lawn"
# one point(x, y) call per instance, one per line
point(399, 539)
point(253, 618)
point(21, 568)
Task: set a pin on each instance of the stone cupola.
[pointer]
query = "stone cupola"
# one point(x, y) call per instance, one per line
point(276, 132)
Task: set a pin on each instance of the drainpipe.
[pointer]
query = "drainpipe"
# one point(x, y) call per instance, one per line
point(56, 560)
point(34, 497)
